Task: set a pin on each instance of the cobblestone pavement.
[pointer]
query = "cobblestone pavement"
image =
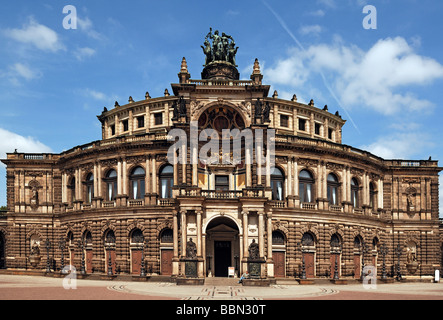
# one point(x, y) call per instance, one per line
point(14, 287)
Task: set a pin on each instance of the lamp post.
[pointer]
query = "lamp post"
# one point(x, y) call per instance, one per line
point(48, 247)
point(364, 250)
point(81, 246)
point(398, 252)
point(303, 262)
point(337, 253)
point(384, 251)
point(62, 246)
point(142, 266)
point(108, 250)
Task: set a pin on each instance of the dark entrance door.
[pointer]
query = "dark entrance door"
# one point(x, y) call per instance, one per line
point(222, 255)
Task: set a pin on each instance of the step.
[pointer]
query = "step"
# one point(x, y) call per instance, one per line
point(222, 282)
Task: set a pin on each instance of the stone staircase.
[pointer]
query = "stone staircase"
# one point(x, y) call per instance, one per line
point(222, 282)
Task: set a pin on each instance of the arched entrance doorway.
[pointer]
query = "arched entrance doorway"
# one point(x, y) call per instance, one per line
point(222, 247)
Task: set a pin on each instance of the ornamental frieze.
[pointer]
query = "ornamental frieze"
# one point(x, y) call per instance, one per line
point(136, 160)
point(334, 166)
point(307, 162)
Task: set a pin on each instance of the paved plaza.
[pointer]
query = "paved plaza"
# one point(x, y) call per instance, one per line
point(19, 287)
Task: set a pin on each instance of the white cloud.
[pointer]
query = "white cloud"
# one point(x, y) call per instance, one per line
point(10, 141)
point(83, 53)
point(399, 145)
point(327, 3)
point(291, 71)
point(310, 30)
point(96, 95)
point(375, 78)
point(25, 71)
point(86, 26)
point(37, 35)
point(19, 71)
point(317, 13)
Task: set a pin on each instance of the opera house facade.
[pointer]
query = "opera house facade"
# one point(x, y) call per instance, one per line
point(127, 204)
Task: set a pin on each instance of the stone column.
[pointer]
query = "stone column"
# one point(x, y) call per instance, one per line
point(200, 268)
point(199, 233)
point(175, 242)
point(380, 193)
point(245, 240)
point(184, 227)
point(184, 161)
point(125, 177)
point(270, 260)
point(261, 239)
point(154, 175)
point(248, 168)
point(64, 187)
point(119, 177)
point(289, 178)
point(194, 163)
point(259, 155)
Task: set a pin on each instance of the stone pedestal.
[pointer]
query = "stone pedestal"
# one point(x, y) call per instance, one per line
point(191, 268)
point(255, 268)
point(220, 70)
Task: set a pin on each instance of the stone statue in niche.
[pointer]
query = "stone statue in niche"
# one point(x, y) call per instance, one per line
point(254, 252)
point(411, 257)
point(191, 249)
point(410, 198)
point(35, 257)
point(34, 186)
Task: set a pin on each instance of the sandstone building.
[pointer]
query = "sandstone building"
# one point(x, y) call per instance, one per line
point(325, 208)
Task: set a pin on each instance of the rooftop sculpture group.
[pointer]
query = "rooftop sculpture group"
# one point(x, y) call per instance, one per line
point(222, 48)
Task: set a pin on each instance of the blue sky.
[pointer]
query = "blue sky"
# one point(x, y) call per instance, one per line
point(387, 82)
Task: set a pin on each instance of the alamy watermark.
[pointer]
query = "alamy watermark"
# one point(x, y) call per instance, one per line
point(370, 21)
point(70, 21)
point(370, 277)
point(70, 280)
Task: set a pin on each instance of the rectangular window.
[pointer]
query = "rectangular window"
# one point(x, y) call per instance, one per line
point(125, 124)
point(330, 132)
point(317, 128)
point(284, 121)
point(158, 119)
point(305, 192)
point(302, 124)
point(113, 130)
point(221, 183)
point(141, 122)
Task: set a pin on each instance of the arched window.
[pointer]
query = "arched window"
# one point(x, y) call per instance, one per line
point(109, 238)
point(166, 182)
point(357, 243)
point(354, 193)
point(335, 242)
point(278, 238)
point(70, 238)
point(89, 187)
point(306, 186)
point(167, 236)
point(277, 183)
point(111, 185)
point(137, 237)
point(307, 240)
point(137, 179)
point(333, 189)
point(87, 237)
